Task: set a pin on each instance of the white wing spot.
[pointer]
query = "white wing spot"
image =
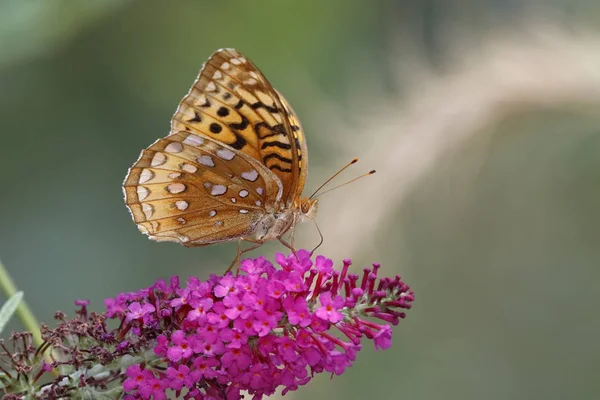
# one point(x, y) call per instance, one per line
point(148, 210)
point(189, 168)
point(259, 190)
point(184, 238)
point(242, 59)
point(257, 202)
point(146, 175)
point(219, 223)
point(142, 229)
point(254, 74)
point(206, 161)
point(226, 154)
point(250, 81)
point(211, 87)
point(174, 147)
point(212, 213)
point(175, 188)
point(235, 61)
point(243, 193)
point(174, 175)
point(233, 200)
point(218, 190)
point(225, 65)
point(193, 140)
point(243, 211)
point(158, 159)
point(142, 193)
point(181, 205)
point(250, 175)
point(217, 75)
point(181, 220)
point(154, 225)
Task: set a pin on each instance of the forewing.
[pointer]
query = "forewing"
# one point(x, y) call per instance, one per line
point(232, 102)
point(191, 189)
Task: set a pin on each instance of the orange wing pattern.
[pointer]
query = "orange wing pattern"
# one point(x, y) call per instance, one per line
point(236, 153)
point(233, 103)
point(301, 149)
point(194, 190)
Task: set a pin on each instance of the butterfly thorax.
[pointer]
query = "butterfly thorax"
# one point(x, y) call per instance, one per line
point(273, 225)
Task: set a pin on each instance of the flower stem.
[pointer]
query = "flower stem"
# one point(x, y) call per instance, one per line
point(23, 311)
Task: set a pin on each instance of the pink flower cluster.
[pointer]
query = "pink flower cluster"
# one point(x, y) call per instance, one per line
point(258, 331)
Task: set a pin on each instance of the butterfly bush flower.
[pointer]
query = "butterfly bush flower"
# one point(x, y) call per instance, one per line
point(253, 333)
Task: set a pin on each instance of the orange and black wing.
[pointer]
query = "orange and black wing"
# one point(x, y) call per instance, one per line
point(232, 102)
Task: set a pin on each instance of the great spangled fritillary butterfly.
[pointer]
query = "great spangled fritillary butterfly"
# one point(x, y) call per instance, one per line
point(233, 166)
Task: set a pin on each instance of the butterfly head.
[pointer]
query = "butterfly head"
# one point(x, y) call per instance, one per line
point(307, 208)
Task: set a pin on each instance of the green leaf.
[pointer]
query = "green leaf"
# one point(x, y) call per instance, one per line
point(9, 308)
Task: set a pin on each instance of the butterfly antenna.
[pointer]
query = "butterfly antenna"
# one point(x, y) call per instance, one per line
point(346, 183)
point(320, 234)
point(333, 176)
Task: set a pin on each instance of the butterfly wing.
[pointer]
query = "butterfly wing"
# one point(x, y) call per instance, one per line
point(194, 190)
point(232, 102)
point(300, 147)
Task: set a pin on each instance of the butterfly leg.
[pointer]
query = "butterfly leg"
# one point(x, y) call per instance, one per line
point(289, 246)
point(236, 260)
point(237, 257)
point(292, 234)
point(291, 227)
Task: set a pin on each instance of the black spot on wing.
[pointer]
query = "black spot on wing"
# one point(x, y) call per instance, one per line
point(223, 111)
point(215, 128)
point(240, 126)
point(239, 143)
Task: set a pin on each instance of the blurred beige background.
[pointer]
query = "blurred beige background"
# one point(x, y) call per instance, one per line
point(481, 117)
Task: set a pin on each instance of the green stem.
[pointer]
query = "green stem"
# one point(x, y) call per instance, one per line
point(23, 311)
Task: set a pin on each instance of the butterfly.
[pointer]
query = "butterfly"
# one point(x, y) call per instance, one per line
point(232, 167)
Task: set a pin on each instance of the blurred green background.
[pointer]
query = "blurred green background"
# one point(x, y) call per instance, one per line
point(481, 118)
